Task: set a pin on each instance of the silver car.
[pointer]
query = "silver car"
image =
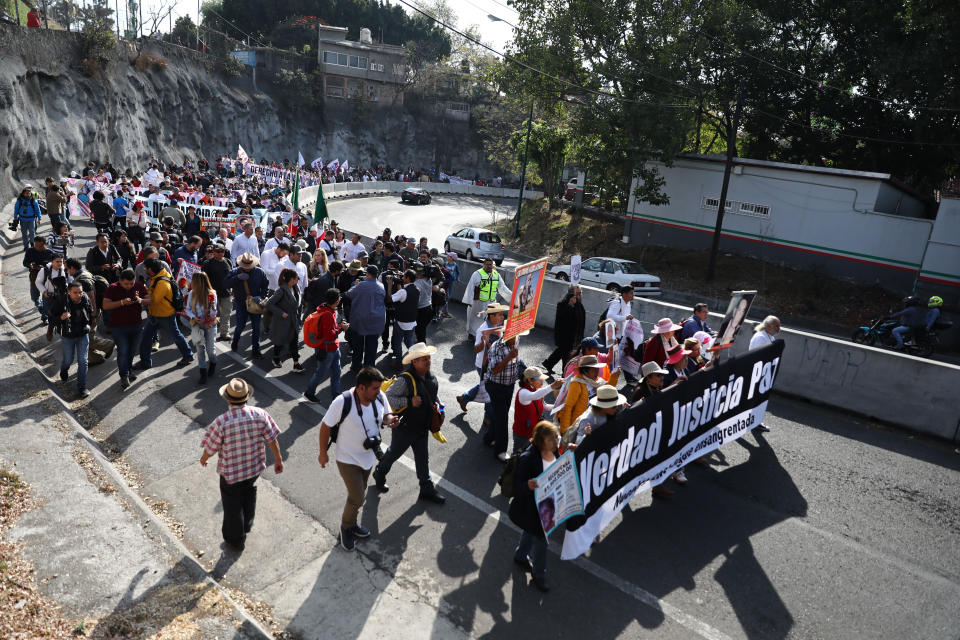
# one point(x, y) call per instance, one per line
point(475, 244)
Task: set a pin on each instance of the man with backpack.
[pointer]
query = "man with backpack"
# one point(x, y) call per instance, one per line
point(164, 300)
point(35, 259)
point(27, 214)
point(413, 395)
point(353, 422)
point(94, 286)
point(74, 315)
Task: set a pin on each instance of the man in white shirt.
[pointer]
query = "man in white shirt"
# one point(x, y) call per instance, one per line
point(619, 309)
point(270, 263)
point(764, 334)
point(224, 236)
point(246, 242)
point(356, 415)
point(277, 237)
point(294, 260)
point(351, 250)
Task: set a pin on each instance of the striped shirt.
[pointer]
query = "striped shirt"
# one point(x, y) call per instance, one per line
point(239, 436)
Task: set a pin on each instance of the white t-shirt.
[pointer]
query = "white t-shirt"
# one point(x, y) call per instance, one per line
point(353, 430)
point(761, 338)
point(270, 264)
point(399, 296)
point(478, 361)
point(301, 270)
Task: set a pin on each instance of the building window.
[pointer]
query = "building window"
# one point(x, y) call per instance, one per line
point(740, 208)
point(458, 106)
point(711, 204)
point(335, 87)
point(756, 210)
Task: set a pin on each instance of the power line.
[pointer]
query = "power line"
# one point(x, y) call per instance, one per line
point(230, 23)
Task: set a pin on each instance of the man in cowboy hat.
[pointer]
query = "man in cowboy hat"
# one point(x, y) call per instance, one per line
point(237, 438)
point(650, 384)
point(655, 349)
point(487, 332)
point(603, 407)
point(247, 279)
point(413, 397)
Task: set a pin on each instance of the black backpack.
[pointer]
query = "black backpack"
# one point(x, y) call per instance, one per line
point(508, 476)
point(347, 405)
point(177, 301)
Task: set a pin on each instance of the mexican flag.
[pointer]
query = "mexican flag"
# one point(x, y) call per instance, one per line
point(320, 210)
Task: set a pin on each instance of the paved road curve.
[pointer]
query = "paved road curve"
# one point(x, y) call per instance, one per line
point(827, 527)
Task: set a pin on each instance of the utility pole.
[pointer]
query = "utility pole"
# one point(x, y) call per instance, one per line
point(523, 174)
point(731, 150)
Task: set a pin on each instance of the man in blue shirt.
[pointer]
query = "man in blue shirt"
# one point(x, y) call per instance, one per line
point(120, 205)
point(368, 316)
point(696, 322)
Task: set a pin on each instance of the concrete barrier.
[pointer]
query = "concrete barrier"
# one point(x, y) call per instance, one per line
point(902, 390)
point(308, 195)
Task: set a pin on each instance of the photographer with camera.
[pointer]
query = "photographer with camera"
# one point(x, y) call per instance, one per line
point(353, 421)
point(413, 395)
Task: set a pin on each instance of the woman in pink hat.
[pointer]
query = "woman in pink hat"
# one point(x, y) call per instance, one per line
point(662, 340)
point(676, 365)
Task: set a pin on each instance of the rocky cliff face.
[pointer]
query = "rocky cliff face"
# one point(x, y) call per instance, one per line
point(54, 119)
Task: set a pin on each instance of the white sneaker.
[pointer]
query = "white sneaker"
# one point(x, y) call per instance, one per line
point(502, 456)
point(680, 477)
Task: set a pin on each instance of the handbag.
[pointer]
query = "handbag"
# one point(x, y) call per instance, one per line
point(252, 305)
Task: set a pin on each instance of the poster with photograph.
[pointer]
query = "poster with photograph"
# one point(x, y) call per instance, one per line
point(610, 340)
point(527, 286)
point(575, 262)
point(558, 494)
point(186, 271)
point(737, 310)
point(631, 347)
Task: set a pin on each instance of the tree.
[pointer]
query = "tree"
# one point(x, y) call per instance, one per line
point(184, 33)
point(549, 144)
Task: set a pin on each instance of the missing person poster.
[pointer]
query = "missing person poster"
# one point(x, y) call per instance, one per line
point(527, 285)
point(558, 495)
point(643, 445)
point(575, 262)
point(740, 302)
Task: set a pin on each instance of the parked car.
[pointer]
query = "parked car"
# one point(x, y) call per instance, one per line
point(611, 274)
point(475, 244)
point(416, 195)
point(571, 192)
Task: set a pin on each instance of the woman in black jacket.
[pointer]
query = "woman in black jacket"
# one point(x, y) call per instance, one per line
point(567, 328)
point(531, 551)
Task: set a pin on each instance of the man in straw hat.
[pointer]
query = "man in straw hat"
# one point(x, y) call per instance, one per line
point(237, 438)
point(413, 396)
point(651, 383)
point(603, 407)
point(503, 372)
point(487, 333)
point(247, 279)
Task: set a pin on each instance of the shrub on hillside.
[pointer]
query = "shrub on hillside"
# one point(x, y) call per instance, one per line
point(96, 47)
point(148, 61)
point(230, 66)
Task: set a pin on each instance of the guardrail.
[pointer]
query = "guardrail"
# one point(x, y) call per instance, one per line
point(308, 195)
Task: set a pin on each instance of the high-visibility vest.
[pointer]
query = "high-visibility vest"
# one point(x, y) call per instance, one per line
point(489, 286)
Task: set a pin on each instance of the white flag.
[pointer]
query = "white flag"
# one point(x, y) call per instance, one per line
point(345, 166)
point(334, 165)
point(241, 154)
point(318, 163)
point(300, 160)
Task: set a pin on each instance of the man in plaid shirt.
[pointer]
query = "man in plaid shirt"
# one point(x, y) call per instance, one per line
point(238, 436)
point(503, 371)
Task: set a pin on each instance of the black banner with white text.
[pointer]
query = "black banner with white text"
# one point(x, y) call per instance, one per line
point(648, 442)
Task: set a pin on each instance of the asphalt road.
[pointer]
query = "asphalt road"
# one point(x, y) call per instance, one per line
point(830, 526)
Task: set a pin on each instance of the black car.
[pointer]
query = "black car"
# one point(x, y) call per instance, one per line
point(416, 195)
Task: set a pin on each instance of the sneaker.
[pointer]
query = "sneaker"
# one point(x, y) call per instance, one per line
point(433, 496)
point(680, 477)
point(65, 373)
point(131, 377)
point(311, 397)
point(184, 361)
point(83, 393)
point(156, 345)
point(381, 482)
point(360, 532)
point(347, 539)
point(277, 364)
point(502, 456)
point(124, 383)
point(463, 403)
point(297, 367)
point(762, 428)
point(143, 366)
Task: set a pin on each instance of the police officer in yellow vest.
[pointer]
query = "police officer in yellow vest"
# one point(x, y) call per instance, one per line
point(483, 288)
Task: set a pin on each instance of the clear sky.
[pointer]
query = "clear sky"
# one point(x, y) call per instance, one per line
point(468, 12)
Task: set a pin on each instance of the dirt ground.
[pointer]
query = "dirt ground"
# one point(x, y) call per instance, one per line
point(792, 293)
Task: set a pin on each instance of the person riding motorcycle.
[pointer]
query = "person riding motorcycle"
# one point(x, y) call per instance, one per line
point(933, 314)
point(910, 320)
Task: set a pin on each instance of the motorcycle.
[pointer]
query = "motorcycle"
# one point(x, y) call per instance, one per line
point(879, 332)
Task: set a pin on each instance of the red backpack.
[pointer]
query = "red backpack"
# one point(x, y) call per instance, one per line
point(311, 328)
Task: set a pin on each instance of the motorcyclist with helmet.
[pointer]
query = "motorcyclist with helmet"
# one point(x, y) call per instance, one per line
point(910, 318)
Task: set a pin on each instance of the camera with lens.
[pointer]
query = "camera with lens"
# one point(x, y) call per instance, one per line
point(14, 224)
point(374, 444)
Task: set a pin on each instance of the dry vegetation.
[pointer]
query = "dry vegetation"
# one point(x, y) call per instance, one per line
point(791, 293)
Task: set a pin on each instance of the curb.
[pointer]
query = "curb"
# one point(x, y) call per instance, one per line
point(170, 542)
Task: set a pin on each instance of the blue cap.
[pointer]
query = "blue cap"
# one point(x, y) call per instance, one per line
point(589, 343)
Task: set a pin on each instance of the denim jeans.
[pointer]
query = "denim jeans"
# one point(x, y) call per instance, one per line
point(329, 366)
point(205, 341)
point(37, 297)
point(80, 346)
point(901, 331)
point(400, 440)
point(127, 340)
point(534, 549)
point(28, 231)
point(255, 320)
point(151, 329)
point(401, 337)
point(364, 350)
point(501, 395)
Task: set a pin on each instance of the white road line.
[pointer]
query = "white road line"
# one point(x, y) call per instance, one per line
point(670, 611)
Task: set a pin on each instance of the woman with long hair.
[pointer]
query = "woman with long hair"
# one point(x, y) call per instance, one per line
point(284, 304)
point(201, 309)
point(319, 265)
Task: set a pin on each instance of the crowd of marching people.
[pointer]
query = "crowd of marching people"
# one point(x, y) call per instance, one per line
point(309, 287)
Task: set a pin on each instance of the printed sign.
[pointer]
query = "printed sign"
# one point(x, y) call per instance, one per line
point(527, 285)
point(187, 269)
point(643, 445)
point(575, 262)
point(558, 495)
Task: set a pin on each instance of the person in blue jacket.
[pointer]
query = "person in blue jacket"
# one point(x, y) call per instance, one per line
point(27, 213)
point(247, 277)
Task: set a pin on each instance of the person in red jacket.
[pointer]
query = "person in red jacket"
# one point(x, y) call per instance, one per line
point(528, 406)
point(33, 18)
point(662, 340)
point(328, 353)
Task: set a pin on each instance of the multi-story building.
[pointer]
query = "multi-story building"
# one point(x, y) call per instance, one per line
point(364, 69)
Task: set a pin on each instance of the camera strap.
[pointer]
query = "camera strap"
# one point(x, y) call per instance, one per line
point(376, 413)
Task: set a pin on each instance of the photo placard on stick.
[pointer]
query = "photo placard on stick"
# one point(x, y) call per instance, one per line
point(527, 286)
point(737, 310)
